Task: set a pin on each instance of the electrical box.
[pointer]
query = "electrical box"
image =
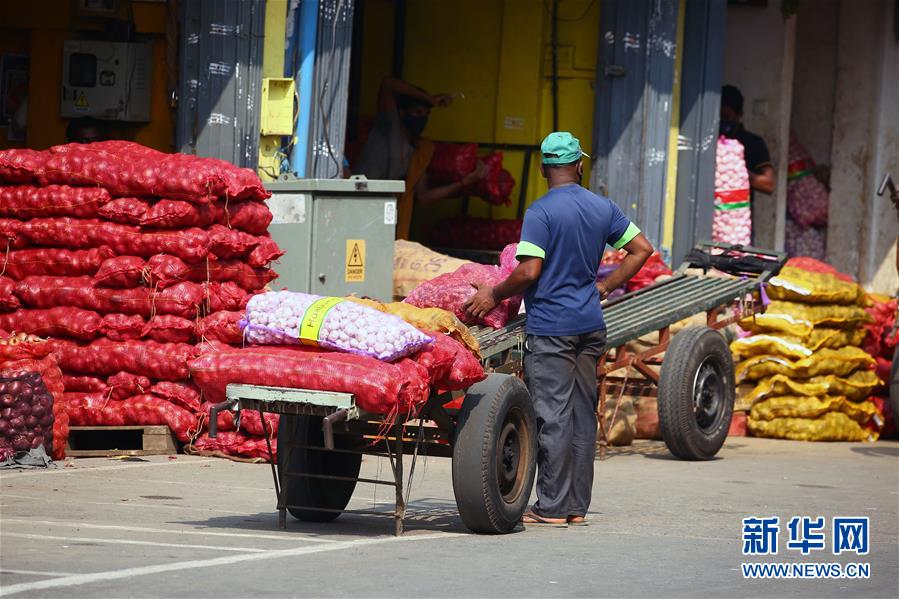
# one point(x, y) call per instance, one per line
point(277, 106)
point(106, 80)
point(338, 235)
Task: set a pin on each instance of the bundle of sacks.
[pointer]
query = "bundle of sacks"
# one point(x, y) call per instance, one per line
point(806, 376)
point(732, 221)
point(807, 203)
point(388, 356)
point(127, 258)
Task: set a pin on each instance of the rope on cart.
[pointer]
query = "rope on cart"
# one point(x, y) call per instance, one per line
point(421, 424)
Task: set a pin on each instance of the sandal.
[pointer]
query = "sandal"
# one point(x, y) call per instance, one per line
point(578, 521)
point(531, 519)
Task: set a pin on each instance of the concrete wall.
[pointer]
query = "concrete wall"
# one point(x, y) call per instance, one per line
point(759, 57)
point(814, 78)
point(863, 227)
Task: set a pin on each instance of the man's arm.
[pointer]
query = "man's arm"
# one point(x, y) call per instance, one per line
point(425, 194)
point(638, 252)
point(392, 87)
point(525, 274)
point(763, 180)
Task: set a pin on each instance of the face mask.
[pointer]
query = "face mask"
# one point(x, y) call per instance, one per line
point(728, 128)
point(414, 124)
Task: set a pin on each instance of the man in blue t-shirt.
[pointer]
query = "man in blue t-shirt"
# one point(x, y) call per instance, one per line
point(562, 242)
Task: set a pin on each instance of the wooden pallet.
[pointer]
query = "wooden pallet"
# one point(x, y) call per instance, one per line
point(111, 441)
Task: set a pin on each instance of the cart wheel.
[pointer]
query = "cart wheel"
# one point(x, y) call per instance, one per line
point(494, 454)
point(696, 393)
point(314, 492)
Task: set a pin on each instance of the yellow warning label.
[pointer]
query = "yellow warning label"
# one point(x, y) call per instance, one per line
point(314, 317)
point(355, 260)
point(81, 102)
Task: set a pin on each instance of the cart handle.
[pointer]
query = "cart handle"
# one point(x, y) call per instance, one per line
point(214, 415)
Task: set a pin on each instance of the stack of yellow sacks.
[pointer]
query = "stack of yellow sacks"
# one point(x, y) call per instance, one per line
point(804, 374)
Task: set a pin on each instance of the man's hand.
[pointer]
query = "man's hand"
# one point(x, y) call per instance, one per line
point(480, 172)
point(442, 100)
point(603, 292)
point(482, 302)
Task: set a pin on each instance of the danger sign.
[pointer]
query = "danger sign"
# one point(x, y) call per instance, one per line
point(355, 261)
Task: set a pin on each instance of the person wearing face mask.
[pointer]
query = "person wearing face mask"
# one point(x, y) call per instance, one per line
point(563, 238)
point(755, 150)
point(395, 149)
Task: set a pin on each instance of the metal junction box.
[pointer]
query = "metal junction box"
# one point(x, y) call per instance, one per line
point(338, 235)
point(106, 80)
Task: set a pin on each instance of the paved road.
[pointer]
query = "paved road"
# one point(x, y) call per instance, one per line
point(195, 527)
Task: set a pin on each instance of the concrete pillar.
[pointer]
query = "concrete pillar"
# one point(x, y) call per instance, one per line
point(862, 227)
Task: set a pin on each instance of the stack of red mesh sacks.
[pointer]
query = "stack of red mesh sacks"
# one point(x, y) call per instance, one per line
point(127, 258)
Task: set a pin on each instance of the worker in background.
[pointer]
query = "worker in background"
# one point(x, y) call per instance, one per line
point(395, 149)
point(83, 131)
point(563, 238)
point(755, 150)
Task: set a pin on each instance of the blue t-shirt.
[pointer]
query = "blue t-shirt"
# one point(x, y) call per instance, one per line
point(569, 228)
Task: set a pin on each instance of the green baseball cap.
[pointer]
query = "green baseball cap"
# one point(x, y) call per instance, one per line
point(561, 147)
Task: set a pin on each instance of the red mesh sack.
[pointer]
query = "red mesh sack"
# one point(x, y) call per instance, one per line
point(476, 233)
point(49, 374)
point(164, 271)
point(221, 326)
point(224, 420)
point(879, 341)
point(450, 291)
point(183, 299)
point(11, 237)
point(8, 300)
point(162, 361)
point(128, 169)
point(61, 321)
point(227, 296)
point(230, 243)
point(169, 329)
point(235, 445)
point(93, 409)
point(122, 327)
point(34, 350)
point(379, 387)
point(124, 385)
point(127, 211)
point(53, 262)
point(496, 187)
point(246, 277)
point(122, 272)
point(185, 395)
point(654, 268)
point(21, 165)
point(83, 384)
point(450, 365)
point(265, 252)
point(250, 217)
point(26, 201)
point(451, 162)
point(175, 214)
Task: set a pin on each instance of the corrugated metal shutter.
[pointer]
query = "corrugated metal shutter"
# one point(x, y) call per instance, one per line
point(220, 81)
point(634, 80)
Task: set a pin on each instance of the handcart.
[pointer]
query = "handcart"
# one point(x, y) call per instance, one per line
point(489, 431)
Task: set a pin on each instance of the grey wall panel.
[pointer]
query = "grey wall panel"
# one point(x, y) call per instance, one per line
point(634, 81)
point(701, 73)
point(219, 97)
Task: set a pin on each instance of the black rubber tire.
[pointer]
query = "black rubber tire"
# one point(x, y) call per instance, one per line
point(697, 371)
point(314, 492)
point(894, 386)
point(494, 454)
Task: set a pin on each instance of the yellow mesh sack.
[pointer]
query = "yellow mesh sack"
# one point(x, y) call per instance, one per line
point(839, 317)
point(798, 406)
point(856, 387)
point(840, 362)
point(834, 338)
point(797, 285)
point(772, 345)
point(833, 426)
point(769, 322)
point(368, 302)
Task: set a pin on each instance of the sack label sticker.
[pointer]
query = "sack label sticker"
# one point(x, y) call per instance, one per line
point(314, 317)
point(355, 261)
